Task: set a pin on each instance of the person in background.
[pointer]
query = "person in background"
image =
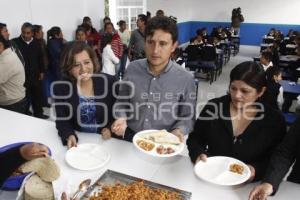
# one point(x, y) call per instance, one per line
point(4, 32)
point(287, 153)
point(80, 34)
point(12, 78)
point(124, 33)
point(137, 40)
point(86, 110)
point(116, 43)
point(55, 45)
point(11, 159)
point(158, 101)
point(105, 20)
point(240, 124)
point(266, 60)
point(160, 13)
point(274, 88)
point(38, 34)
point(34, 69)
point(109, 60)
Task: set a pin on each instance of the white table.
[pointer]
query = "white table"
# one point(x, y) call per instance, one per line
point(175, 172)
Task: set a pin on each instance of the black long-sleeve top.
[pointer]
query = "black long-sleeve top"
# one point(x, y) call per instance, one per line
point(285, 155)
point(33, 57)
point(213, 135)
point(10, 160)
point(67, 100)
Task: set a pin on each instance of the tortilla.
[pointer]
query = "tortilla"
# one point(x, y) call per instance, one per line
point(37, 189)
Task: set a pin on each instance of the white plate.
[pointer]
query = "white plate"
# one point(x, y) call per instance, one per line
point(216, 170)
point(178, 148)
point(87, 156)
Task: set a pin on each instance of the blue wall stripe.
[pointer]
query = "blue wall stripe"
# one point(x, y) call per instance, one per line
point(251, 33)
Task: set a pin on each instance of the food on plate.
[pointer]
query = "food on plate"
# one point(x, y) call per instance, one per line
point(134, 191)
point(44, 167)
point(147, 146)
point(236, 168)
point(164, 150)
point(162, 137)
point(37, 189)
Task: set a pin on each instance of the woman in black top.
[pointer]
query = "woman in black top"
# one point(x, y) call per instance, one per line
point(84, 99)
point(287, 153)
point(239, 124)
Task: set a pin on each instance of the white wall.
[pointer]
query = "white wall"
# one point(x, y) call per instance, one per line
point(254, 11)
point(66, 14)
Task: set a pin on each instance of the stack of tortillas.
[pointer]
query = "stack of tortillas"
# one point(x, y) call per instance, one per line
point(39, 186)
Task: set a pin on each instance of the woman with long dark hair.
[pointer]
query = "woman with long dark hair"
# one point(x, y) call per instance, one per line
point(240, 124)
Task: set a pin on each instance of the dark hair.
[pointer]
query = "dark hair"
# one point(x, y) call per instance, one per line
point(80, 29)
point(36, 28)
point(267, 55)
point(106, 18)
point(250, 73)
point(272, 71)
point(54, 31)
point(107, 38)
point(5, 42)
point(148, 14)
point(68, 54)
point(163, 23)
point(108, 23)
point(2, 25)
point(28, 25)
point(160, 13)
point(143, 18)
point(121, 23)
point(85, 19)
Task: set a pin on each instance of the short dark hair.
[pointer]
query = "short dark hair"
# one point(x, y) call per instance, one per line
point(85, 19)
point(160, 13)
point(54, 31)
point(2, 25)
point(68, 54)
point(143, 18)
point(5, 42)
point(267, 55)
point(80, 29)
point(250, 73)
point(28, 25)
point(272, 71)
point(37, 28)
point(121, 22)
point(163, 23)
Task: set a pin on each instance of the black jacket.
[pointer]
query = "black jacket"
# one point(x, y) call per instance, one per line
point(33, 57)
point(213, 135)
point(67, 127)
point(285, 155)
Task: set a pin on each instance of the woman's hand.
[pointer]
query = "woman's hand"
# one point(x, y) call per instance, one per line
point(33, 150)
point(119, 126)
point(202, 157)
point(106, 133)
point(71, 141)
point(261, 192)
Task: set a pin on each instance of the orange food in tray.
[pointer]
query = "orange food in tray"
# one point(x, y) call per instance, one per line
point(147, 146)
point(236, 168)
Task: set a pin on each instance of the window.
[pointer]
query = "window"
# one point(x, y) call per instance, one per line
point(127, 10)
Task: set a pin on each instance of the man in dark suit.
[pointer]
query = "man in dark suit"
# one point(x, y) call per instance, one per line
point(34, 68)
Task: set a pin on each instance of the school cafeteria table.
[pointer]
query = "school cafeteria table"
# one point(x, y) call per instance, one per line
point(290, 87)
point(175, 172)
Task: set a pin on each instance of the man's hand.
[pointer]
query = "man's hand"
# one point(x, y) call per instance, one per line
point(33, 150)
point(119, 126)
point(252, 176)
point(178, 132)
point(202, 157)
point(261, 192)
